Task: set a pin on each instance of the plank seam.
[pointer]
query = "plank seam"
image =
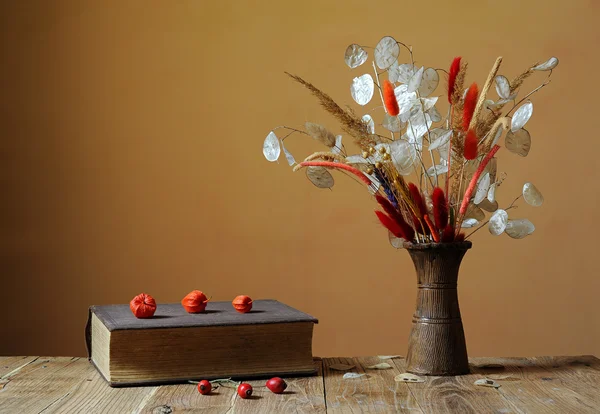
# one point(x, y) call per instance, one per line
point(232, 402)
point(58, 400)
point(14, 371)
point(409, 390)
point(145, 400)
point(322, 362)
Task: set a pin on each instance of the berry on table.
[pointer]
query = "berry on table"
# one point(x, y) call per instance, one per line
point(244, 390)
point(204, 387)
point(276, 385)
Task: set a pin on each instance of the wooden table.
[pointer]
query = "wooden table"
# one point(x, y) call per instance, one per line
point(528, 385)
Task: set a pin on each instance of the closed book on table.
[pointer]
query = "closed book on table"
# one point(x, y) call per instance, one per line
point(273, 339)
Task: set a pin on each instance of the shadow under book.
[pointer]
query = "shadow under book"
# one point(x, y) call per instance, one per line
point(174, 346)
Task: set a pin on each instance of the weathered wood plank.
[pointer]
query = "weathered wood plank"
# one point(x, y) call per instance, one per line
point(303, 395)
point(40, 384)
point(70, 385)
point(578, 374)
point(542, 384)
point(92, 394)
point(11, 365)
point(516, 389)
point(186, 398)
point(377, 393)
point(455, 394)
point(551, 386)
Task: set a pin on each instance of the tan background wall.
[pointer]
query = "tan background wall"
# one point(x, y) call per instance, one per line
point(131, 161)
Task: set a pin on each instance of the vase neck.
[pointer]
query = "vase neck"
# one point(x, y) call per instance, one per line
point(437, 267)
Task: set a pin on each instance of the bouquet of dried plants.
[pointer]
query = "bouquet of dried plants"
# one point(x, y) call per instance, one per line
point(432, 175)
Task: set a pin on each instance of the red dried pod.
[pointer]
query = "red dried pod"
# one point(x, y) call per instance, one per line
point(242, 304)
point(460, 237)
point(471, 145)
point(454, 69)
point(194, 302)
point(470, 104)
point(143, 306)
point(389, 98)
point(204, 387)
point(244, 390)
point(434, 232)
point(440, 208)
point(448, 234)
point(404, 229)
point(418, 219)
point(276, 385)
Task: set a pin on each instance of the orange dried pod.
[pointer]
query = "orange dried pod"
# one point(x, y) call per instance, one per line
point(143, 306)
point(194, 302)
point(242, 303)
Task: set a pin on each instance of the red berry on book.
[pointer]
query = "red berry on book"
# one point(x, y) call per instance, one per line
point(194, 302)
point(143, 306)
point(244, 390)
point(242, 304)
point(276, 385)
point(204, 387)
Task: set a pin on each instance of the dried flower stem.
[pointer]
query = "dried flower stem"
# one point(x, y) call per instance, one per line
point(546, 82)
point(500, 122)
point(329, 164)
point(473, 183)
point(350, 123)
point(449, 158)
point(325, 155)
point(291, 129)
point(434, 232)
point(379, 86)
point(518, 81)
point(484, 91)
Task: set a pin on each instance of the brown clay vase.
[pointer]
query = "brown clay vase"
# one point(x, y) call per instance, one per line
point(437, 340)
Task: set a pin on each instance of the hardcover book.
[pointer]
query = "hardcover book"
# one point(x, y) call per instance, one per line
point(173, 346)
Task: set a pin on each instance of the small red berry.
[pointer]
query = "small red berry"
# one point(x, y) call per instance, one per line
point(204, 387)
point(244, 390)
point(242, 303)
point(143, 306)
point(194, 302)
point(276, 385)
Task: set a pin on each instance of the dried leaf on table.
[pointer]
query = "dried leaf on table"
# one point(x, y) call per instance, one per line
point(352, 375)
point(407, 377)
point(381, 365)
point(487, 383)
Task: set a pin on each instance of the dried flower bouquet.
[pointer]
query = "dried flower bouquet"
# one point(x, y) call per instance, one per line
point(431, 175)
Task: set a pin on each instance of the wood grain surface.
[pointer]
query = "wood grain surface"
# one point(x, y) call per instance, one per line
point(527, 385)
